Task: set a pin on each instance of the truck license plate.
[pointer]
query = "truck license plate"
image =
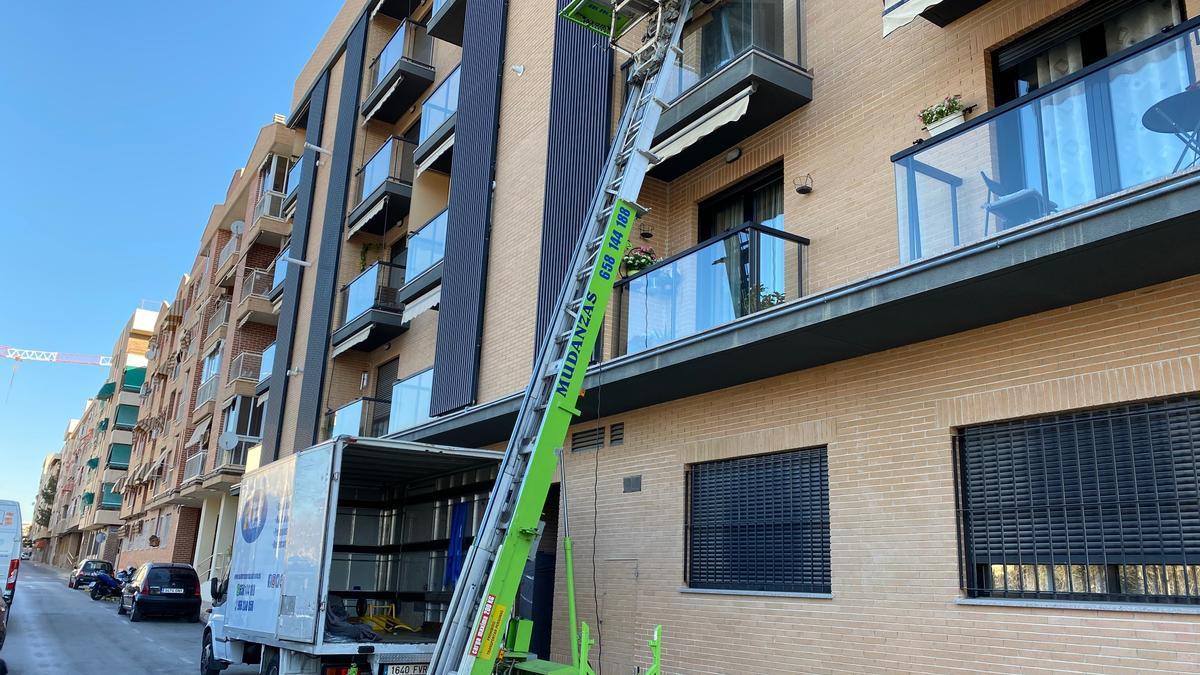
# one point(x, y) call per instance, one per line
point(407, 669)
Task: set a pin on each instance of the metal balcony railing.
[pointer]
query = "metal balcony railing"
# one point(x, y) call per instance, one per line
point(440, 106)
point(718, 281)
point(257, 282)
point(236, 456)
point(270, 204)
point(1123, 122)
point(409, 43)
point(207, 391)
point(227, 251)
point(220, 317)
point(193, 467)
point(245, 366)
point(267, 361)
point(393, 161)
point(365, 417)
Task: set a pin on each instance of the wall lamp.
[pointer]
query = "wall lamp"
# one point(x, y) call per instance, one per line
point(804, 186)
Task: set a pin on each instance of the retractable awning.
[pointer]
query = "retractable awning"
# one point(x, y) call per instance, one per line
point(422, 304)
point(347, 344)
point(198, 434)
point(729, 111)
point(433, 156)
point(897, 13)
point(106, 392)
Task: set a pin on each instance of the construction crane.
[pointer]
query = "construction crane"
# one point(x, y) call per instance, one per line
point(42, 355)
point(479, 622)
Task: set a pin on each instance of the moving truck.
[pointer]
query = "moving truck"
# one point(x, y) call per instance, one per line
point(346, 553)
point(10, 546)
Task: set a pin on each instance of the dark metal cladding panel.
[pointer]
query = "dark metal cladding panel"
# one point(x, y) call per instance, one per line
point(285, 335)
point(460, 321)
point(316, 356)
point(580, 117)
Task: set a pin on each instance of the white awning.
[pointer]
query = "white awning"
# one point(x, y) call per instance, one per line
point(422, 304)
point(729, 111)
point(433, 156)
point(358, 222)
point(198, 434)
point(349, 342)
point(899, 13)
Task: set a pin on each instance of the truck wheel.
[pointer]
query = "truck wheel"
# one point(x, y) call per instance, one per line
point(208, 663)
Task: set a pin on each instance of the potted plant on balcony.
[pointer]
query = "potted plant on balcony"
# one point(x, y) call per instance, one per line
point(636, 259)
point(944, 115)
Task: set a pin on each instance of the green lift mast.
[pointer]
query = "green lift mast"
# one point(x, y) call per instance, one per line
point(480, 612)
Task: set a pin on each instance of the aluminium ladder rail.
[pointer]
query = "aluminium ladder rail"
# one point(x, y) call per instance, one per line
point(479, 608)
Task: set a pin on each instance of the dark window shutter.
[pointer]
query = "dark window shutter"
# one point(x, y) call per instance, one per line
point(760, 523)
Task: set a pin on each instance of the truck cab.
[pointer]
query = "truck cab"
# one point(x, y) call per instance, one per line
point(347, 553)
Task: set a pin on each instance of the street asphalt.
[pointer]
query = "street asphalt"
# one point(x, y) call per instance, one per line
point(53, 629)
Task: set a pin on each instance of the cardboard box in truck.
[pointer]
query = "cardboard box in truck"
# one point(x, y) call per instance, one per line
point(345, 553)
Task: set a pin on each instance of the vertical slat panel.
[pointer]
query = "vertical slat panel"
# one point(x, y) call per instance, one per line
point(290, 303)
point(316, 357)
point(460, 320)
point(580, 115)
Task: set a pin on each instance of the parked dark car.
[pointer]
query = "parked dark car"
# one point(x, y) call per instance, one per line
point(162, 589)
point(85, 572)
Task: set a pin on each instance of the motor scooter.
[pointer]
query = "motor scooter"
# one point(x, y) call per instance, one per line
point(107, 586)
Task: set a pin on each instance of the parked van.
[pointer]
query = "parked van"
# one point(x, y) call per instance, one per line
point(10, 546)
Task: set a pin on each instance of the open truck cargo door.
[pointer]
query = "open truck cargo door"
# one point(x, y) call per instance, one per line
point(303, 562)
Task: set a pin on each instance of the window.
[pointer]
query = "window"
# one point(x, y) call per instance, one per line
point(1096, 505)
point(1079, 39)
point(212, 363)
point(757, 200)
point(760, 523)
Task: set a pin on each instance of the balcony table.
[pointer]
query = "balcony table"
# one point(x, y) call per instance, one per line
point(1178, 114)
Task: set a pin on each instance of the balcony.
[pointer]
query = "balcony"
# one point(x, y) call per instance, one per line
point(399, 74)
point(422, 264)
point(270, 226)
point(439, 114)
point(717, 282)
point(446, 20)
point(217, 320)
point(736, 75)
point(227, 261)
point(108, 498)
point(254, 302)
point(293, 184)
point(372, 312)
point(207, 391)
point(267, 362)
point(1128, 122)
point(384, 189)
point(193, 467)
point(410, 402)
point(118, 455)
point(365, 417)
point(244, 373)
point(235, 458)
point(279, 273)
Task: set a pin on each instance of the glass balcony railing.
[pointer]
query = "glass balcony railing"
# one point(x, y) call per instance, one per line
point(410, 43)
point(440, 105)
point(425, 247)
point(437, 4)
point(392, 161)
point(365, 417)
point(410, 402)
point(279, 268)
point(268, 360)
point(1129, 120)
point(718, 34)
point(270, 204)
point(741, 272)
point(293, 179)
point(376, 288)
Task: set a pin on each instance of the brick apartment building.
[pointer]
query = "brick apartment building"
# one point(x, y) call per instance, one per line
point(86, 518)
point(43, 507)
point(879, 406)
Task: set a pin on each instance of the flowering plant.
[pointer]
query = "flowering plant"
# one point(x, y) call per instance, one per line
point(940, 111)
point(638, 258)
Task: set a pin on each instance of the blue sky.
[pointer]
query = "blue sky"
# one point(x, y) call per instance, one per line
point(121, 124)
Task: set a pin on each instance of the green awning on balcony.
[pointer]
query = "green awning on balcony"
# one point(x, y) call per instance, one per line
point(118, 455)
point(126, 417)
point(109, 497)
point(93, 463)
point(106, 392)
point(102, 425)
point(87, 498)
point(134, 378)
